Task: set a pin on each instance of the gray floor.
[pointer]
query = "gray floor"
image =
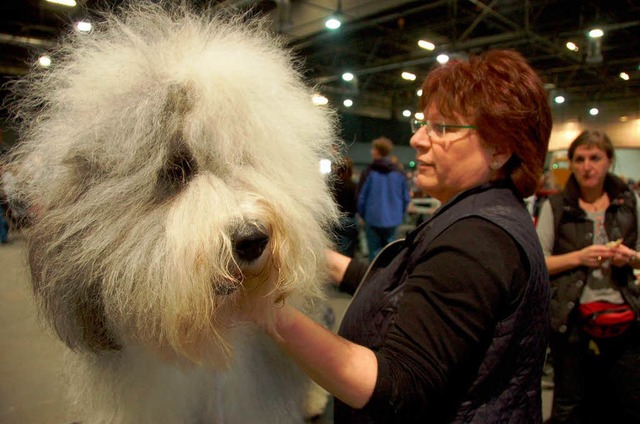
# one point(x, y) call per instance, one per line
point(31, 391)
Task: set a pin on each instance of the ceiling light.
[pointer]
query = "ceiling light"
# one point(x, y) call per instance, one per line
point(347, 76)
point(84, 26)
point(419, 116)
point(624, 76)
point(406, 113)
point(408, 76)
point(319, 100)
point(596, 33)
point(44, 61)
point(419, 93)
point(71, 3)
point(442, 58)
point(333, 23)
point(572, 46)
point(594, 111)
point(559, 99)
point(325, 166)
point(347, 103)
point(426, 45)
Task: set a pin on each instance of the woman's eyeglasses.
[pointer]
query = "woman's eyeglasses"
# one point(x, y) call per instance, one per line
point(440, 129)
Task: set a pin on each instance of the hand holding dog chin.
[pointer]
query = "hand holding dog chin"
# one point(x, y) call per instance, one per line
point(265, 315)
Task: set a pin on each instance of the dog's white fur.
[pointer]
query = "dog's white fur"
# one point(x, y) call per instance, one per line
point(152, 148)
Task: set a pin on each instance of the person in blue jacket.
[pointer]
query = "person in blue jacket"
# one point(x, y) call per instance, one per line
point(383, 196)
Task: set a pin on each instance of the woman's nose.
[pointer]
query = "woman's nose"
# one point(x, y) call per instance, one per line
point(419, 139)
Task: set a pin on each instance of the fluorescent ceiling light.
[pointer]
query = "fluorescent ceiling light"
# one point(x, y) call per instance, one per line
point(70, 3)
point(596, 33)
point(84, 26)
point(333, 23)
point(319, 100)
point(426, 45)
point(325, 166)
point(408, 76)
point(44, 61)
point(442, 59)
point(347, 76)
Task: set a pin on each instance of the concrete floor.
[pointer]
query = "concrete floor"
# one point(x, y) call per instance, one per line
point(31, 391)
point(30, 359)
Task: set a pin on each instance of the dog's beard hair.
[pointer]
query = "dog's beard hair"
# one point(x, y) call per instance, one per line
point(141, 154)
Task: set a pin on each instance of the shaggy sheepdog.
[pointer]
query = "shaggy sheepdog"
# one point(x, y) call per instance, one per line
point(170, 159)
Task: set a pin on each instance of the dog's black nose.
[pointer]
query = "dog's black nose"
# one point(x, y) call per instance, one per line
point(249, 244)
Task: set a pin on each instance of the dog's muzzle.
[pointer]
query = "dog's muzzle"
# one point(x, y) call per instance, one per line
point(249, 243)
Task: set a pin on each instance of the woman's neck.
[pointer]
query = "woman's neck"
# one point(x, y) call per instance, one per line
point(594, 201)
point(592, 195)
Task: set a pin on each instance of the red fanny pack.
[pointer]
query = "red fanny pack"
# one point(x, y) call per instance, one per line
point(604, 319)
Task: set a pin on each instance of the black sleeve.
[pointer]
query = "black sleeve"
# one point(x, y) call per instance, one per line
point(474, 275)
point(353, 275)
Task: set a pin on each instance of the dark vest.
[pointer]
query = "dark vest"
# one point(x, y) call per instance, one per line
point(507, 386)
point(574, 231)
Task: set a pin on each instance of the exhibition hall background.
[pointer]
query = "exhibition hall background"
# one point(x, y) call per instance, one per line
point(357, 132)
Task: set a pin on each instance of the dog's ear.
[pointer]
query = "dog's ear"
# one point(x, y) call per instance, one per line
point(84, 172)
point(73, 307)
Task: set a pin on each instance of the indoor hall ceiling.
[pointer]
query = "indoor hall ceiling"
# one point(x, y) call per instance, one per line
point(378, 41)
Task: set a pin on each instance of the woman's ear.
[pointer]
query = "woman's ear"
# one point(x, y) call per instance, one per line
point(499, 157)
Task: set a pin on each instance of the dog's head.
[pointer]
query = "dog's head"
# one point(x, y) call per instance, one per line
point(172, 160)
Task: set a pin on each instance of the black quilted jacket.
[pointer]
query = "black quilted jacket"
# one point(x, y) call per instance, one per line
point(506, 386)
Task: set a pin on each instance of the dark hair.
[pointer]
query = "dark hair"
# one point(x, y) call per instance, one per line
point(592, 139)
point(383, 145)
point(506, 101)
point(343, 169)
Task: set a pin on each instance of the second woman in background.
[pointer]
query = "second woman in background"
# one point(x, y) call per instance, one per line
point(589, 234)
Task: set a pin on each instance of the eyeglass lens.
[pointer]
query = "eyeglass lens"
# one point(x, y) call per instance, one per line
point(439, 128)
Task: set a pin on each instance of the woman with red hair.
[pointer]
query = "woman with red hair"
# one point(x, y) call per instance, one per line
point(451, 323)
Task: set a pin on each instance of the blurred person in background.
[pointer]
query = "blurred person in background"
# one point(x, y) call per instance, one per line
point(383, 197)
point(589, 235)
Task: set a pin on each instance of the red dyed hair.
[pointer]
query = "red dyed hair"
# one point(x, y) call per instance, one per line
point(505, 99)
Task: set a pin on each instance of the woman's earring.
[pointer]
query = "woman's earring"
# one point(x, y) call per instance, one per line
point(494, 165)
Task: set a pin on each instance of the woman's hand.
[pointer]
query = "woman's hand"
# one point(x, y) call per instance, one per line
point(622, 255)
point(593, 256)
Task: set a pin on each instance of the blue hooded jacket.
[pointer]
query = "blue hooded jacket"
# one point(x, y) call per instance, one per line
point(384, 195)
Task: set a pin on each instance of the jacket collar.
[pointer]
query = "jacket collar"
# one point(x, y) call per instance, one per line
point(499, 184)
